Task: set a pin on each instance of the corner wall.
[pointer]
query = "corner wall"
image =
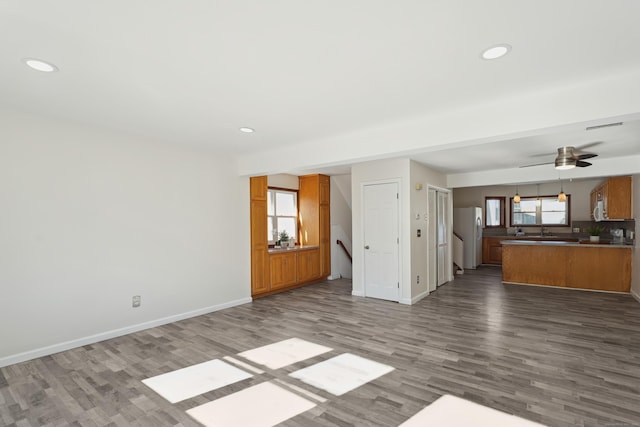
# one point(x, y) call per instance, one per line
point(413, 250)
point(90, 219)
point(381, 170)
point(420, 245)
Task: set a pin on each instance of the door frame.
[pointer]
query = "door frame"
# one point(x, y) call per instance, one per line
point(398, 182)
point(448, 264)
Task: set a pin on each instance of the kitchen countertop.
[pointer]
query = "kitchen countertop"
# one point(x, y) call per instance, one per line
point(297, 248)
point(583, 244)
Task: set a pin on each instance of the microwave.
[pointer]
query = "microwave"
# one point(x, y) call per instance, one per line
point(599, 213)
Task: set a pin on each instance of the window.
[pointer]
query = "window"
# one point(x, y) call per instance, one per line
point(543, 210)
point(282, 213)
point(494, 212)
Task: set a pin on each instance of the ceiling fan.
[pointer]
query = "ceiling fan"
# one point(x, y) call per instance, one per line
point(569, 157)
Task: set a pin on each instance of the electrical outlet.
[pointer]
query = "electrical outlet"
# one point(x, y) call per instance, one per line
point(136, 301)
point(418, 280)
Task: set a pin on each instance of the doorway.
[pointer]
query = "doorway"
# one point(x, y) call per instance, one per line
point(438, 235)
point(381, 238)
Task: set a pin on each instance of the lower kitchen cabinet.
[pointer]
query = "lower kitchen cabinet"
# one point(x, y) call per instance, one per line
point(290, 269)
point(492, 250)
point(283, 268)
point(308, 265)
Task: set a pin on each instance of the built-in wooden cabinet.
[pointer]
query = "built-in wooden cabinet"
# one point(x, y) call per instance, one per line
point(492, 250)
point(308, 265)
point(315, 218)
point(283, 268)
point(615, 193)
point(260, 280)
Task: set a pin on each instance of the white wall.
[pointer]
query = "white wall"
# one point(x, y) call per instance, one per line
point(419, 245)
point(635, 267)
point(578, 190)
point(283, 180)
point(381, 170)
point(89, 219)
point(413, 250)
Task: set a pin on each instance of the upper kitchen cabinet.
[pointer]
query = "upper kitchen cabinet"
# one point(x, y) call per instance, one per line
point(615, 197)
point(315, 221)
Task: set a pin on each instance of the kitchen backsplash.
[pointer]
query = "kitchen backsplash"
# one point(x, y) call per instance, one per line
point(628, 226)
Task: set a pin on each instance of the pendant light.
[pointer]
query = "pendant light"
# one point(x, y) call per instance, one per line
point(562, 197)
point(516, 198)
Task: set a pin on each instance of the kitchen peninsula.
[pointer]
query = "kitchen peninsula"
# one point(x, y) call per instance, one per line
point(567, 264)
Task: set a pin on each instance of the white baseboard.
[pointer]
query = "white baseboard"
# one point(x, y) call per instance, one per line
point(635, 294)
point(415, 299)
point(91, 339)
point(357, 293)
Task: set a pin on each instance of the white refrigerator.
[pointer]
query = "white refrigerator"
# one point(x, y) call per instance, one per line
point(467, 223)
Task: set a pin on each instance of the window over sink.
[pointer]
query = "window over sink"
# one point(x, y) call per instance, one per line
point(541, 211)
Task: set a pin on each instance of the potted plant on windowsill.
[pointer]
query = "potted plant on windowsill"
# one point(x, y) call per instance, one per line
point(594, 233)
point(284, 239)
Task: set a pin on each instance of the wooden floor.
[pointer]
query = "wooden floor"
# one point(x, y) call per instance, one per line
point(555, 356)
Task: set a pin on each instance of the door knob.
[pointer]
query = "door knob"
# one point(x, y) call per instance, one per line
point(366, 247)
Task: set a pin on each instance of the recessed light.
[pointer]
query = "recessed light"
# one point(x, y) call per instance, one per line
point(495, 52)
point(40, 65)
point(247, 130)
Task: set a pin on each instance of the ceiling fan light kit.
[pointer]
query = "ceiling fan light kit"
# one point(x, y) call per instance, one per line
point(568, 158)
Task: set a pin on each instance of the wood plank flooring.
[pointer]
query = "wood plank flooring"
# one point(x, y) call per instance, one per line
point(555, 356)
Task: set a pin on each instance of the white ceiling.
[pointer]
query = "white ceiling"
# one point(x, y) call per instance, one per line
point(194, 71)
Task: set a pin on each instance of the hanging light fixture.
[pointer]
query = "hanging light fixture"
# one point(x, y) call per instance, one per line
point(562, 197)
point(516, 198)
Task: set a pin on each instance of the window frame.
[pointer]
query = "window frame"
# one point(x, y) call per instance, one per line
point(503, 220)
point(539, 211)
point(274, 218)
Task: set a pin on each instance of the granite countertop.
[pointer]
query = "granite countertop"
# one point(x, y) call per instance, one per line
point(297, 248)
point(581, 244)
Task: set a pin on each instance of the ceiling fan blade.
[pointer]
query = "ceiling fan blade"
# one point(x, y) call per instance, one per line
point(589, 145)
point(585, 156)
point(537, 164)
point(582, 164)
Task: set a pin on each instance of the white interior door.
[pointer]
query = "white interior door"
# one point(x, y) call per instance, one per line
point(442, 236)
point(432, 245)
point(381, 239)
point(439, 256)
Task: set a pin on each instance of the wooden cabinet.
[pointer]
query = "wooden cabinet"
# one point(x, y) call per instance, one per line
point(615, 193)
point(492, 250)
point(572, 266)
point(315, 218)
point(259, 243)
point(308, 265)
point(280, 270)
point(283, 268)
